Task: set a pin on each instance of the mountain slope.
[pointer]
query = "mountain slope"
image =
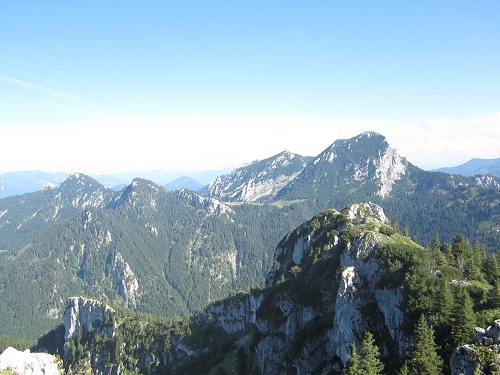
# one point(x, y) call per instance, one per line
point(144, 247)
point(334, 278)
point(475, 167)
point(24, 216)
point(257, 181)
point(366, 168)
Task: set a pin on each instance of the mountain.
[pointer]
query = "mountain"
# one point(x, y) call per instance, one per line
point(335, 278)
point(363, 165)
point(184, 182)
point(173, 252)
point(475, 167)
point(257, 181)
point(22, 217)
point(367, 168)
point(17, 183)
point(145, 248)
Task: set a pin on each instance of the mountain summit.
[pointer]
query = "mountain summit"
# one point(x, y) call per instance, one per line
point(365, 162)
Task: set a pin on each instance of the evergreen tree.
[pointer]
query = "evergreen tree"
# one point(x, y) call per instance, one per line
point(369, 353)
point(494, 298)
point(435, 243)
point(242, 361)
point(353, 368)
point(404, 369)
point(424, 359)
point(462, 319)
point(367, 362)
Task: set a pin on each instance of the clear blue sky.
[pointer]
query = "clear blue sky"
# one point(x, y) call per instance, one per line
point(109, 86)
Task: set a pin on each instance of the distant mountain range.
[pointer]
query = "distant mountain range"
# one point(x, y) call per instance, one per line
point(17, 183)
point(170, 252)
point(251, 182)
point(475, 167)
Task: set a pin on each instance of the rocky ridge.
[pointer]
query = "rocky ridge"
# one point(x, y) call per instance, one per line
point(257, 181)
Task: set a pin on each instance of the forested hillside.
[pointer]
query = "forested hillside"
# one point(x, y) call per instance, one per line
point(346, 289)
point(171, 253)
point(149, 249)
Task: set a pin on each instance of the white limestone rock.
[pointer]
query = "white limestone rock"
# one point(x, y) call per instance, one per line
point(124, 280)
point(87, 315)
point(27, 363)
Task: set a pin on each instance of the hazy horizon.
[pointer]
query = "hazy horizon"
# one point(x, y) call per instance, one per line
point(112, 87)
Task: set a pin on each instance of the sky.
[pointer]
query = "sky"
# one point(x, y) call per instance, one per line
point(103, 87)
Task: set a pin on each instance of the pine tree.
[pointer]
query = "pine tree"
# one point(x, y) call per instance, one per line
point(369, 353)
point(367, 362)
point(404, 369)
point(462, 318)
point(242, 361)
point(494, 298)
point(353, 368)
point(435, 243)
point(424, 359)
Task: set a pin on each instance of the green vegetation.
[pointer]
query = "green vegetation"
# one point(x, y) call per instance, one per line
point(424, 359)
point(367, 362)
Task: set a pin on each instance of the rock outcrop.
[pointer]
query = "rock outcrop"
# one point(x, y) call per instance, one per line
point(27, 363)
point(85, 316)
point(465, 359)
point(124, 280)
point(311, 323)
point(328, 286)
point(257, 181)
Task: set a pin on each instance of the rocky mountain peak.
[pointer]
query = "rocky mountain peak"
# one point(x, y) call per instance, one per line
point(77, 179)
point(328, 269)
point(365, 161)
point(139, 189)
point(259, 180)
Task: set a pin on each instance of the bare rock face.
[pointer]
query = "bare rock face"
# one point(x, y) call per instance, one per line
point(257, 181)
point(124, 280)
point(84, 316)
point(87, 315)
point(28, 363)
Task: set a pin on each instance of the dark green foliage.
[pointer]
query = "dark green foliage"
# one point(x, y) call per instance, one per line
point(176, 251)
point(15, 342)
point(424, 359)
point(462, 318)
point(367, 362)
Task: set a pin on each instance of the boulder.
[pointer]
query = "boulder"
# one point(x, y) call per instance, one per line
point(27, 363)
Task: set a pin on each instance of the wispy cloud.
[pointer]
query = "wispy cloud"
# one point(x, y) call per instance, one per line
point(49, 98)
point(34, 87)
